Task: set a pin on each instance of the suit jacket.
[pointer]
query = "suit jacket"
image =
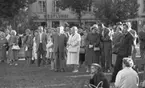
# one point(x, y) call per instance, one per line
point(59, 42)
point(28, 41)
point(125, 45)
point(44, 41)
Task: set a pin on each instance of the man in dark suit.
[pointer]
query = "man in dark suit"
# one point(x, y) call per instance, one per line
point(125, 49)
point(60, 41)
point(41, 41)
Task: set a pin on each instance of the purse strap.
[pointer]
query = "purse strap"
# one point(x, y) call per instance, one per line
point(99, 84)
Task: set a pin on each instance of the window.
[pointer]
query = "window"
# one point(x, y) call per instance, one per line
point(56, 9)
point(55, 24)
point(42, 5)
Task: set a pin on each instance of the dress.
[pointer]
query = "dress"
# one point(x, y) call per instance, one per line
point(28, 44)
point(91, 55)
point(49, 50)
point(34, 54)
point(12, 54)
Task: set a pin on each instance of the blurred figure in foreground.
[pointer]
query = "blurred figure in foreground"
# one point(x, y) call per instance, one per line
point(127, 77)
point(98, 76)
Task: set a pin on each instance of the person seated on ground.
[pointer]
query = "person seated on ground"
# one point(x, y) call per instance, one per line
point(143, 84)
point(127, 77)
point(97, 76)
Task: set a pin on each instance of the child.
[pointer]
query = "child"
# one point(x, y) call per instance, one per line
point(49, 54)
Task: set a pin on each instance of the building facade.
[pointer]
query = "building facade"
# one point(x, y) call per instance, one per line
point(140, 20)
point(49, 14)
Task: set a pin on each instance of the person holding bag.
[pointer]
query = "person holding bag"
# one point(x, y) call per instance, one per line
point(28, 44)
point(92, 47)
point(74, 49)
point(98, 79)
point(13, 48)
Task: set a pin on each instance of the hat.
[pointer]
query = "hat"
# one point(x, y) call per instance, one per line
point(95, 64)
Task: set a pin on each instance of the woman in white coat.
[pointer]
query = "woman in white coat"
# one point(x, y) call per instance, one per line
point(73, 49)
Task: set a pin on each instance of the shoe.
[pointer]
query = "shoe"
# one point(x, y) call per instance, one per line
point(62, 70)
point(16, 64)
point(75, 71)
point(11, 64)
point(87, 71)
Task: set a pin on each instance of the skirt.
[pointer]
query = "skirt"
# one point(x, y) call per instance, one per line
point(73, 58)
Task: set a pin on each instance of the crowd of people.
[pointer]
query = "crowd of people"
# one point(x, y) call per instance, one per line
point(65, 46)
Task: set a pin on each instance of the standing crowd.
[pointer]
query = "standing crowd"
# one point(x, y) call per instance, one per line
point(65, 46)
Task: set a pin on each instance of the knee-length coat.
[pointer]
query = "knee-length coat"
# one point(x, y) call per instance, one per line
point(91, 55)
point(74, 43)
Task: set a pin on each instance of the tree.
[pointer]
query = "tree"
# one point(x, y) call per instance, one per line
point(9, 8)
point(22, 21)
point(15, 13)
point(112, 11)
point(79, 7)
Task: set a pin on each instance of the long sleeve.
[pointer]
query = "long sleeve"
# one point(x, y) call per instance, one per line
point(97, 43)
point(87, 40)
point(118, 80)
point(130, 44)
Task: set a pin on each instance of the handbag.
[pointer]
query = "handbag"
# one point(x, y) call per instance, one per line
point(100, 85)
point(96, 49)
point(15, 47)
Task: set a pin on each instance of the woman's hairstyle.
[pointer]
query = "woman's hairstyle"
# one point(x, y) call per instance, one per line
point(2, 34)
point(75, 28)
point(128, 62)
point(97, 66)
point(13, 32)
point(28, 30)
point(94, 26)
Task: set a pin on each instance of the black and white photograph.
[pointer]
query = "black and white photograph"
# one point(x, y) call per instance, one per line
point(72, 43)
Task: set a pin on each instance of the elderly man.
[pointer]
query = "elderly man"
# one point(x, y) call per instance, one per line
point(41, 41)
point(59, 40)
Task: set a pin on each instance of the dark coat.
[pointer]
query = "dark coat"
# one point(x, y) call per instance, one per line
point(142, 40)
point(99, 77)
point(60, 42)
point(28, 42)
point(125, 45)
point(3, 42)
point(44, 41)
point(91, 55)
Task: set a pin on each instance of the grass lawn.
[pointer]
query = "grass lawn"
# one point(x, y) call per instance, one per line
point(23, 76)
